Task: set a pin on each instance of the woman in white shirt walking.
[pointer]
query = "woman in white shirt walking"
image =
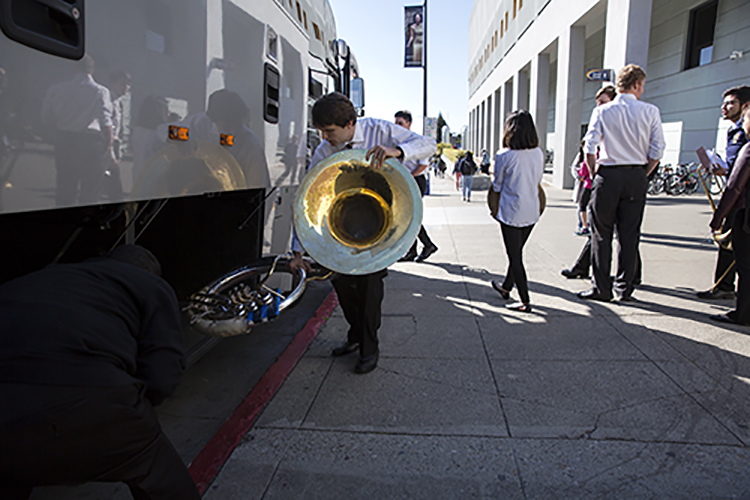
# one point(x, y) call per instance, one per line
point(519, 166)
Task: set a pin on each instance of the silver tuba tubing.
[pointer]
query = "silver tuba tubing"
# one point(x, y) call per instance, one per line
point(236, 302)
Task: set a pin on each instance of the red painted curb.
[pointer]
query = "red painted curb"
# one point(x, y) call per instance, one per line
point(206, 465)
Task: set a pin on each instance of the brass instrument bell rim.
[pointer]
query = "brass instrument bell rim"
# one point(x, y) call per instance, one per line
point(325, 249)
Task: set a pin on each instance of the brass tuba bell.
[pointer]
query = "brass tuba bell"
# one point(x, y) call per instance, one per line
point(355, 219)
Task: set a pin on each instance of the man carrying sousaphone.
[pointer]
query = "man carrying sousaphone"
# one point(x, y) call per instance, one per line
point(360, 296)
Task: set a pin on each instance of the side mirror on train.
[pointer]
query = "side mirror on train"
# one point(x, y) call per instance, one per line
point(357, 91)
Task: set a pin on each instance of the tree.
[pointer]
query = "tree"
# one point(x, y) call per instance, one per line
point(440, 124)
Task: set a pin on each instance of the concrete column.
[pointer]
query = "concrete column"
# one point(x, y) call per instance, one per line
point(488, 137)
point(539, 96)
point(482, 126)
point(628, 26)
point(570, 79)
point(507, 98)
point(498, 120)
point(520, 90)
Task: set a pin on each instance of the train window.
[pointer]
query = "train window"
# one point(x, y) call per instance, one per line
point(271, 84)
point(272, 44)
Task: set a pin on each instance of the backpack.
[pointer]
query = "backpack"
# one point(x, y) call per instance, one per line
point(466, 167)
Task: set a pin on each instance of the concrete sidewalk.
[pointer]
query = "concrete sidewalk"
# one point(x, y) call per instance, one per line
point(470, 400)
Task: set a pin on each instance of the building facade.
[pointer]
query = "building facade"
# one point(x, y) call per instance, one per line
point(536, 54)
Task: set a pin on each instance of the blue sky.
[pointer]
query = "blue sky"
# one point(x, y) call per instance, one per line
point(375, 32)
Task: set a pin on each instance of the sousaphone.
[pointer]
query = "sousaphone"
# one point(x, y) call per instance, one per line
point(354, 219)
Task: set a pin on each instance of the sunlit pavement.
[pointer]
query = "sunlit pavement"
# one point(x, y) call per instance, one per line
point(647, 399)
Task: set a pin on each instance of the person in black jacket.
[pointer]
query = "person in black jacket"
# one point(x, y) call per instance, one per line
point(86, 352)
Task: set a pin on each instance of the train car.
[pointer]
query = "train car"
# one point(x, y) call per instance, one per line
point(182, 125)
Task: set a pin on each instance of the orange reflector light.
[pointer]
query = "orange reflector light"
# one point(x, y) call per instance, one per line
point(178, 133)
point(227, 140)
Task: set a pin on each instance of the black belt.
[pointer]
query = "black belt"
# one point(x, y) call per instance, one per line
point(624, 166)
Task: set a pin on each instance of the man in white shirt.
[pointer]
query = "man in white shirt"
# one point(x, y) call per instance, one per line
point(631, 140)
point(80, 112)
point(360, 296)
point(417, 169)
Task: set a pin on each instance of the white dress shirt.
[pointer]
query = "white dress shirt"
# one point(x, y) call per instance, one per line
point(518, 173)
point(78, 105)
point(628, 130)
point(371, 132)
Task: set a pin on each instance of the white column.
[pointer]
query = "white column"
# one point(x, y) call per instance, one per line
point(627, 33)
point(482, 125)
point(570, 55)
point(498, 120)
point(490, 124)
point(539, 96)
point(507, 98)
point(520, 90)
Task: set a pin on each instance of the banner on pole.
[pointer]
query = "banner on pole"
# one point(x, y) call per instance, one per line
point(430, 127)
point(414, 36)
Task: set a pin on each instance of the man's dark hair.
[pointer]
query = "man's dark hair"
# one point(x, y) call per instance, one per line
point(609, 90)
point(405, 115)
point(519, 131)
point(333, 109)
point(741, 92)
point(228, 106)
point(138, 256)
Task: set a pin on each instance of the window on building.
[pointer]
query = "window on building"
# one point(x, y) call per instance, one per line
point(515, 8)
point(299, 12)
point(317, 31)
point(700, 42)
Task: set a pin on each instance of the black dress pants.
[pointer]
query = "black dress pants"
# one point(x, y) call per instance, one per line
point(741, 245)
point(583, 263)
point(422, 236)
point(58, 435)
point(617, 204)
point(514, 239)
point(361, 298)
point(724, 259)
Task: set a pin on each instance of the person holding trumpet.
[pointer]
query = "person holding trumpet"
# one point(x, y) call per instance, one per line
point(736, 100)
point(735, 201)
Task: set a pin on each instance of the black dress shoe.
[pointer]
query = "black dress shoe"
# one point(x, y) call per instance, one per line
point(366, 364)
point(593, 295)
point(716, 294)
point(573, 274)
point(410, 256)
point(345, 348)
point(426, 252)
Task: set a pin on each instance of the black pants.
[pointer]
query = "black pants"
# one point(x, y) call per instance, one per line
point(583, 263)
point(515, 238)
point(361, 298)
point(725, 258)
point(79, 162)
point(54, 435)
point(741, 246)
point(422, 236)
point(617, 204)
